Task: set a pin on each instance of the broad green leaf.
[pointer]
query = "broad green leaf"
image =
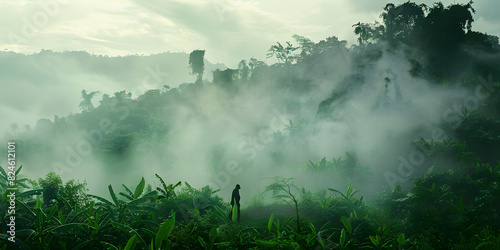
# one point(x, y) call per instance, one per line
point(61, 218)
point(222, 214)
point(30, 192)
point(17, 242)
point(19, 170)
point(212, 235)
point(138, 201)
point(342, 237)
point(349, 191)
point(66, 203)
point(278, 228)
point(52, 212)
point(103, 200)
point(25, 207)
point(139, 189)
point(234, 215)
point(313, 229)
point(338, 192)
point(126, 196)
point(3, 174)
point(375, 240)
point(321, 243)
point(38, 203)
point(128, 190)
point(164, 231)
point(113, 196)
point(401, 240)
point(270, 223)
point(109, 245)
point(131, 243)
point(202, 243)
point(347, 224)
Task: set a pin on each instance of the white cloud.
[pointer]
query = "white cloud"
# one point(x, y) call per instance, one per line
point(230, 30)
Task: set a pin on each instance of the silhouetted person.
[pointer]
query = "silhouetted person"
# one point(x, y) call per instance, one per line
point(235, 197)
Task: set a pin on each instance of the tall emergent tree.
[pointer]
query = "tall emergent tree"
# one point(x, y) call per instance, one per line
point(86, 103)
point(196, 62)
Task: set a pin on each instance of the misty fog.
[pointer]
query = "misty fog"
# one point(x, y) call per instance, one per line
point(218, 137)
point(385, 137)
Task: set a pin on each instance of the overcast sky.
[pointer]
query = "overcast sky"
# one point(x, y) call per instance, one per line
point(229, 30)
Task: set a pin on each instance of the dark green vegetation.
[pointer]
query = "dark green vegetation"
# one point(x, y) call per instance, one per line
point(451, 201)
point(444, 210)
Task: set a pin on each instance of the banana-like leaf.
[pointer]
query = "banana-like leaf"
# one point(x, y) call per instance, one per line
point(128, 190)
point(234, 215)
point(103, 200)
point(67, 228)
point(3, 174)
point(109, 245)
point(347, 224)
point(212, 235)
point(25, 232)
point(222, 214)
point(26, 207)
point(19, 169)
point(270, 223)
point(342, 237)
point(139, 189)
point(17, 242)
point(65, 202)
point(52, 212)
point(113, 196)
point(313, 229)
point(164, 231)
point(131, 243)
point(38, 204)
point(30, 192)
point(126, 196)
point(336, 191)
point(138, 201)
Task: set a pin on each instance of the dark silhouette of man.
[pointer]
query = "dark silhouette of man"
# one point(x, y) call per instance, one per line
point(235, 197)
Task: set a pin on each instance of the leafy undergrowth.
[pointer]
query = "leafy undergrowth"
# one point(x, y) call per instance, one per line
point(444, 210)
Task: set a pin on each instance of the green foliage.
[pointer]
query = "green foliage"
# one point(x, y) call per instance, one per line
point(270, 223)
point(285, 190)
point(283, 54)
point(164, 231)
point(197, 64)
point(131, 243)
point(234, 213)
point(453, 206)
point(139, 189)
point(51, 186)
point(445, 209)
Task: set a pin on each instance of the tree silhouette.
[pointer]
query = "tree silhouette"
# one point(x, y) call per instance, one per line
point(243, 70)
point(283, 54)
point(439, 32)
point(86, 104)
point(197, 64)
point(14, 127)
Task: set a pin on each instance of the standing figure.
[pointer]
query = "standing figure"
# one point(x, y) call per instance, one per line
point(235, 197)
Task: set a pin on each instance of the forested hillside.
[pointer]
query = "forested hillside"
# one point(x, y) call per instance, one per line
point(391, 143)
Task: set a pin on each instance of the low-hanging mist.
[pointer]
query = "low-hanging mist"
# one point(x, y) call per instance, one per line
point(392, 142)
point(218, 136)
point(364, 104)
